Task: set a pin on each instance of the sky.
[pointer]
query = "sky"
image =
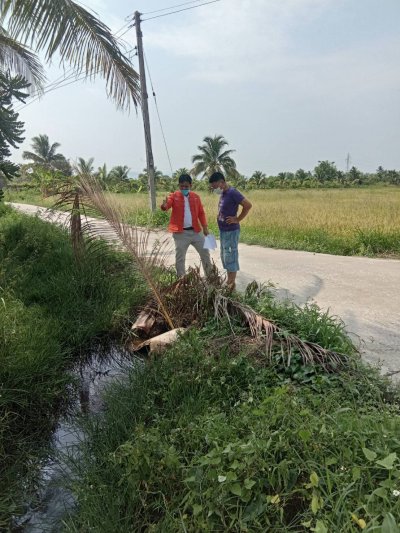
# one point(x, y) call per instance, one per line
point(286, 82)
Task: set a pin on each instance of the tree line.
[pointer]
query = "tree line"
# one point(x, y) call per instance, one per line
point(47, 169)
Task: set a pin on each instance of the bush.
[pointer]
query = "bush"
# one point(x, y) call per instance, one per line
point(51, 308)
point(202, 440)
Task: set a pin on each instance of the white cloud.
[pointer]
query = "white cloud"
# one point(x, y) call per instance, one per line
point(236, 40)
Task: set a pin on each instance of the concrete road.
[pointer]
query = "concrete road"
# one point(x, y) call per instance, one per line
point(364, 292)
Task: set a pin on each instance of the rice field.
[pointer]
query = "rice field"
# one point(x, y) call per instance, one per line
point(344, 222)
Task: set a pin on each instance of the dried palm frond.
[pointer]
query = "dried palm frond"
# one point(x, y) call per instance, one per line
point(147, 258)
point(272, 335)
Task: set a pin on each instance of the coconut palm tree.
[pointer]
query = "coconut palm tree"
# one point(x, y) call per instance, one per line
point(17, 58)
point(85, 167)
point(179, 172)
point(45, 154)
point(258, 179)
point(213, 158)
point(119, 174)
point(78, 36)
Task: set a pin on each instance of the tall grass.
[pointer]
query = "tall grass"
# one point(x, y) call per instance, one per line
point(345, 222)
point(209, 439)
point(50, 309)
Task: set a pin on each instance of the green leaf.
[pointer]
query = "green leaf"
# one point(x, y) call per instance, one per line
point(197, 509)
point(389, 524)
point(249, 483)
point(221, 479)
point(236, 489)
point(305, 435)
point(314, 479)
point(235, 464)
point(388, 461)
point(316, 503)
point(320, 527)
point(356, 472)
point(331, 461)
point(369, 454)
point(381, 492)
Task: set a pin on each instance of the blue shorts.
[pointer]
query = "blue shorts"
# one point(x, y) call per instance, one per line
point(229, 249)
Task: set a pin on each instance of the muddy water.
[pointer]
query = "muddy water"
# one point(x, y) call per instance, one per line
point(54, 500)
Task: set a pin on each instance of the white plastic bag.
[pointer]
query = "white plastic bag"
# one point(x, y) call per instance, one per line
point(210, 242)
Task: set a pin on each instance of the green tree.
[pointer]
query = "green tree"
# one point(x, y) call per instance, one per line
point(44, 155)
point(119, 174)
point(325, 171)
point(144, 181)
point(11, 129)
point(179, 172)
point(213, 158)
point(85, 166)
point(81, 40)
point(258, 180)
point(102, 175)
point(355, 175)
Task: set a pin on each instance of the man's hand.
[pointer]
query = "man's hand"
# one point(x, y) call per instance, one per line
point(232, 220)
point(164, 204)
point(205, 231)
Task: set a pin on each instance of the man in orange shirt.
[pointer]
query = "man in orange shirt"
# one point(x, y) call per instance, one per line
point(187, 220)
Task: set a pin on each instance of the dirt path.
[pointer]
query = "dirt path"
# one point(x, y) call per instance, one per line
point(364, 292)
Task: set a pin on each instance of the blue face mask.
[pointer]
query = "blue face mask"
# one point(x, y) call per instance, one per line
point(185, 192)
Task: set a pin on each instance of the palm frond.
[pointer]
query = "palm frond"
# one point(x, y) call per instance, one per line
point(147, 259)
point(33, 157)
point(18, 59)
point(271, 334)
point(82, 41)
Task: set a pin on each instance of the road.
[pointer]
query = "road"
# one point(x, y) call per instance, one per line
point(363, 292)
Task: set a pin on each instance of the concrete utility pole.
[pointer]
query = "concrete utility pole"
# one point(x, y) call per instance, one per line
point(348, 162)
point(145, 113)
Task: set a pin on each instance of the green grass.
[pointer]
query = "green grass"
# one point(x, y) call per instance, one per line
point(209, 438)
point(51, 309)
point(363, 221)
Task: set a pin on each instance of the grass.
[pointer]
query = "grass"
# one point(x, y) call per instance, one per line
point(363, 221)
point(209, 438)
point(51, 308)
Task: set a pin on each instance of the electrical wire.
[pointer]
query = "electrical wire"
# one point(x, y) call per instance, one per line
point(158, 114)
point(180, 10)
point(171, 7)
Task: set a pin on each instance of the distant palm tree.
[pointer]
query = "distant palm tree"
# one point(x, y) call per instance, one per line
point(179, 172)
point(102, 175)
point(258, 179)
point(85, 167)
point(144, 180)
point(212, 158)
point(80, 39)
point(45, 154)
point(119, 174)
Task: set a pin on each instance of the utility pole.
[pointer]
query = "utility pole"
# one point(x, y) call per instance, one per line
point(348, 162)
point(145, 114)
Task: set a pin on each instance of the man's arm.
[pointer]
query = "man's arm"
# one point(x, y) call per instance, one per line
point(168, 201)
point(246, 206)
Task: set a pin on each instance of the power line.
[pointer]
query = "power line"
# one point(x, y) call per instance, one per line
point(180, 10)
point(158, 114)
point(171, 7)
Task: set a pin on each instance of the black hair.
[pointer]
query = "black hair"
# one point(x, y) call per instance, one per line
point(183, 178)
point(216, 176)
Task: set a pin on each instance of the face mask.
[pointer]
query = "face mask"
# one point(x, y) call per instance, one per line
point(218, 191)
point(185, 192)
